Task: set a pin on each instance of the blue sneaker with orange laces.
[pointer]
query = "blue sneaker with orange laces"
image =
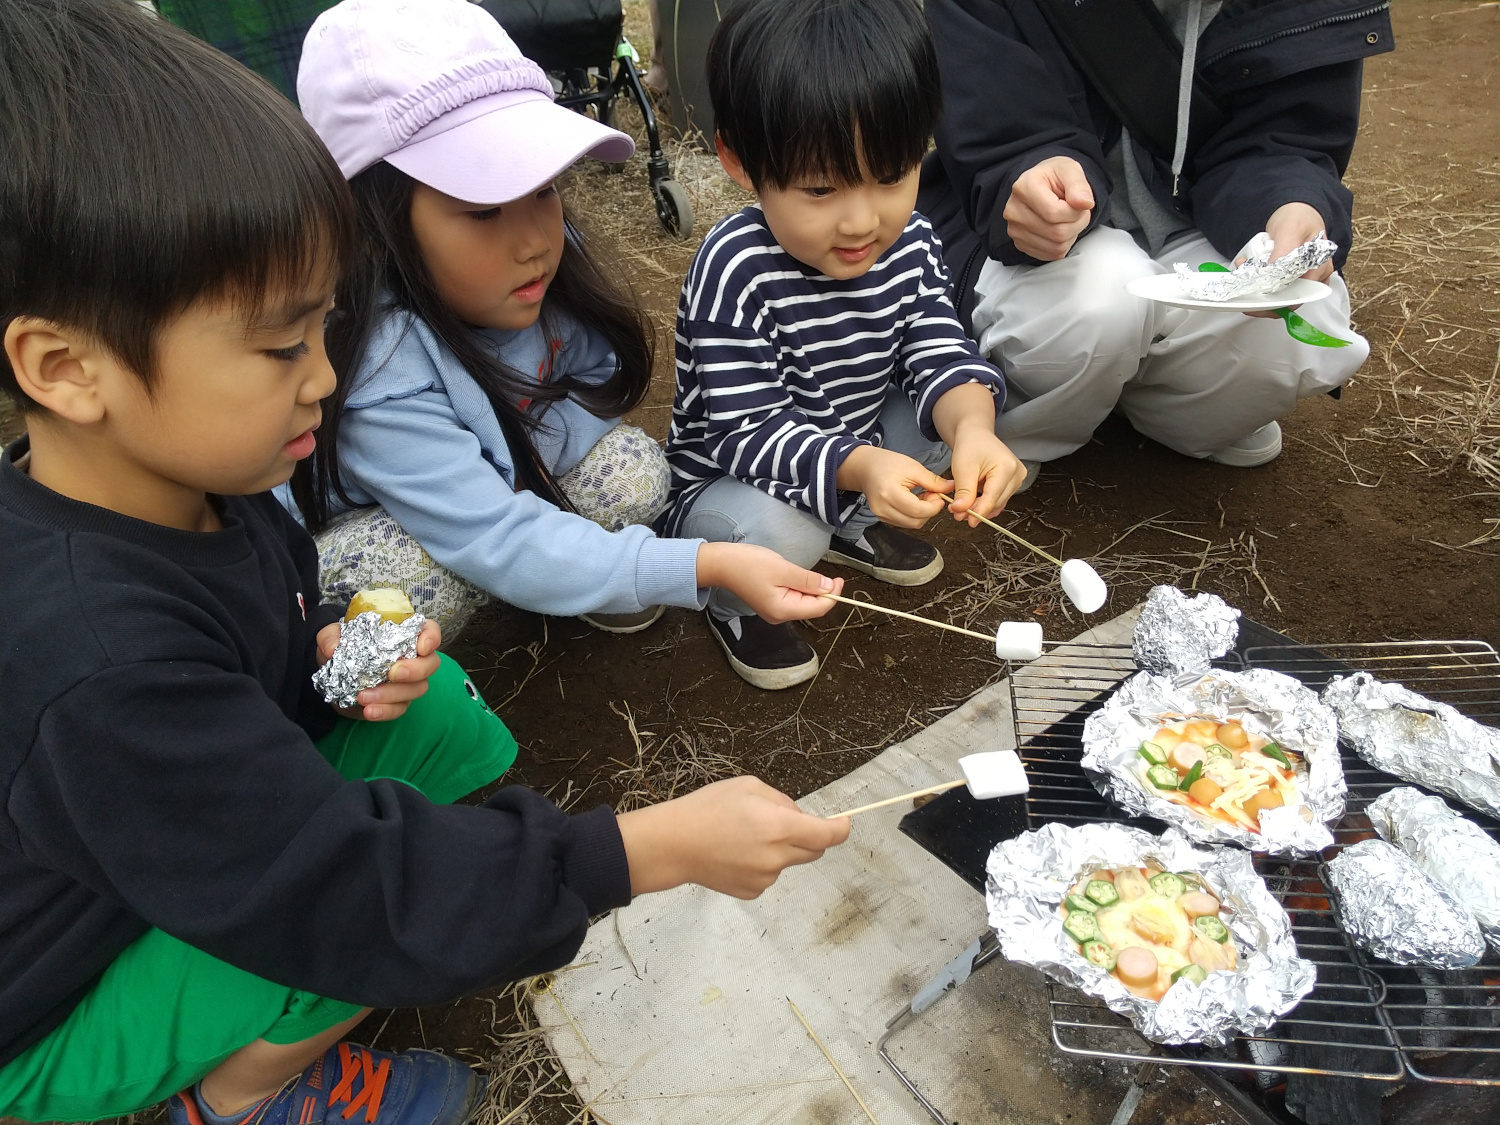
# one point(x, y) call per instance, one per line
point(357, 1085)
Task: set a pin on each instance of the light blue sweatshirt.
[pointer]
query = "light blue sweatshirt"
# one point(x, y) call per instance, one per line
point(419, 438)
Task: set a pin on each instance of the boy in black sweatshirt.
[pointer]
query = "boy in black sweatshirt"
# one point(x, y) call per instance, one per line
point(207, 876)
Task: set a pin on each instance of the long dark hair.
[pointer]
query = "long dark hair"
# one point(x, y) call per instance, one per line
point(389, 275)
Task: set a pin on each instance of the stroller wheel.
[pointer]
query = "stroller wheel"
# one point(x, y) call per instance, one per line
point(674, 209)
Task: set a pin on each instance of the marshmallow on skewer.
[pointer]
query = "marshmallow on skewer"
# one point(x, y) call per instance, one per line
point(994, 773)
point(1082, 584)
point(1018, 640)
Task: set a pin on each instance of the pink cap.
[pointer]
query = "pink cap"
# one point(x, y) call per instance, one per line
point(438, 89)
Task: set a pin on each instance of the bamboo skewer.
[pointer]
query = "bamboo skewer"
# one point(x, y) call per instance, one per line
point(989, 637)
point(931, 789)
point(813, 1035)
point(1053, 559)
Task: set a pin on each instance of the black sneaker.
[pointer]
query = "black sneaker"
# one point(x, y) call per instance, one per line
point(887, 554)
point(769, 656)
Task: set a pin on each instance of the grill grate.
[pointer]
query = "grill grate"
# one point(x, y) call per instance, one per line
point(1365, 1018)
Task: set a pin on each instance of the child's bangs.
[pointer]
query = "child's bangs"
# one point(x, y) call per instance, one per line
point(825, 93)
point(880, 137)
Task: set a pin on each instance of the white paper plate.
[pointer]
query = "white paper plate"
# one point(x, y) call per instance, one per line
point(1166, 288)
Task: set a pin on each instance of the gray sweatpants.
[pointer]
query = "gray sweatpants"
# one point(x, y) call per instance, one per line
point(731, 511)
point(1074, 346)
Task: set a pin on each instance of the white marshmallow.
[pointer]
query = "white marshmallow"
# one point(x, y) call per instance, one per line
point(996, 773)
point(1018, 640)
point(1082, 584)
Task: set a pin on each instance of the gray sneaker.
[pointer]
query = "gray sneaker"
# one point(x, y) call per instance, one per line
point(624, 622)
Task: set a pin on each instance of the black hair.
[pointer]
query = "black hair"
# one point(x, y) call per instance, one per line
point(390, 275)
point(802, 89)
point(143, 171)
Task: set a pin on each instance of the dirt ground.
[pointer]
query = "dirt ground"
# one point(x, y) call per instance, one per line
point(1370, 526)
point(1379, 521)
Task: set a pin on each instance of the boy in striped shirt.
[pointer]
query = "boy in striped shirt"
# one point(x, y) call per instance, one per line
point(823, 379)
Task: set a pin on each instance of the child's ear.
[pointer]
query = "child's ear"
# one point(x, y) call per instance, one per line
point(56, 367)
point(732, 164)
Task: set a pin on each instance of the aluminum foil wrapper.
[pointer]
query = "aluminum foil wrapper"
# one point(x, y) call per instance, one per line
point(1392, 909)
point(1029, 875)
point(1257, 275)
point(1454, 852)
point(1268, 705)
point(368, 646)
point(1420, 741)
point(1176, 633)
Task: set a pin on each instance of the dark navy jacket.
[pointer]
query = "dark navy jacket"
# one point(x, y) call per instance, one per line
point(1287, 73)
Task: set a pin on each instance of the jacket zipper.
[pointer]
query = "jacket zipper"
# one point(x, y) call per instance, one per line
point(1347, 17)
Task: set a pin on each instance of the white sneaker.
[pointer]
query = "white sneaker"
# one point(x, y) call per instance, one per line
point(1262, 446)
point(624, 622)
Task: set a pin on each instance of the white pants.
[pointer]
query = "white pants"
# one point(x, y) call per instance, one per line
point(1074, 345)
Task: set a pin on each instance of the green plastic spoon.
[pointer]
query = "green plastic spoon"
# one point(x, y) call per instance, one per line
point(1297, 327)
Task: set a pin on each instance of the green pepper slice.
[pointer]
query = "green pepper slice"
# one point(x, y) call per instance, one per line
point(1102, 892)
point(1192, 775)
point(1153, 753)
point(1163, 777)
point(1211, 928)
point(1099, 953)
point(1081, 926)
point(1271, 750)
point(1193, 973)
point(1168, 885)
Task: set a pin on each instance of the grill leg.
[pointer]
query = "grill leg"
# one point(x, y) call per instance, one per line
point(1132, 1099)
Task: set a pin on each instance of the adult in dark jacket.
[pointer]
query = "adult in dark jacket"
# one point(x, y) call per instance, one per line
point(1047, 208)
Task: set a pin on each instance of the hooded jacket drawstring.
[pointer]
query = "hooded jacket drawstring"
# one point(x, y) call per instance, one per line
point(1185, 87)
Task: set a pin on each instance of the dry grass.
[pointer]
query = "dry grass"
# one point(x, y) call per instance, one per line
point(668, 765)
point(1015, 583)
point(527, 1083)
point(1427, 265)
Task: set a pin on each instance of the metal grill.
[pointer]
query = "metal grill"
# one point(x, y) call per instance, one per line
point(1365, 1018)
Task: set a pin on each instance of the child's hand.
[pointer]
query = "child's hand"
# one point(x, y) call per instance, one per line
point(887, 479)
point(774, 588)
point(986, 474)
point(408, 678)
point(733, 836)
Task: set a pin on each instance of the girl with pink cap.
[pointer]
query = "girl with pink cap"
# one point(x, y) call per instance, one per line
point(474, 446)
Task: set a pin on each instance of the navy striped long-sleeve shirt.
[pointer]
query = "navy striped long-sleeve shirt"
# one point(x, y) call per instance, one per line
point(782, 370)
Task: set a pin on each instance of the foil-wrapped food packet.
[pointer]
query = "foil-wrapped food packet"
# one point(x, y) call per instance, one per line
point(1454, 852)
point(1176, 633)
point(1390, 907)
point(368, 646)
point(1268, 706)
point(1256, 275)
point(1030, 875)
point(1418, 740)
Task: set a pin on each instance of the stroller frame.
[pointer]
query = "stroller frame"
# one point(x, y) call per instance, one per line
point(583, 90)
